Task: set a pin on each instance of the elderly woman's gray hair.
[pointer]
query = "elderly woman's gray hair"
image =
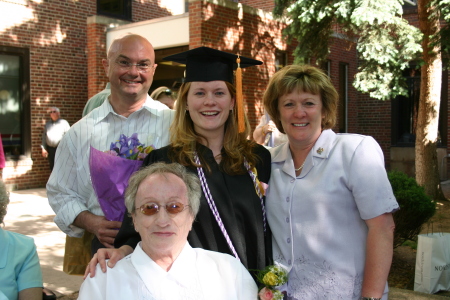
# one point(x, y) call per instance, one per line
point(190, 180)
point(4, 200)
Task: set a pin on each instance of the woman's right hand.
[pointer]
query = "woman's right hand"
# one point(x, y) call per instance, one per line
point(269, 127)
point(114, 255)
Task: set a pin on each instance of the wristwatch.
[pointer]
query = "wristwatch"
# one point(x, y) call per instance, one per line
point(370, 298)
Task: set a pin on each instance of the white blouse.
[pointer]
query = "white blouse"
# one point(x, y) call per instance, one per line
point(195, 274)
point(317, 218)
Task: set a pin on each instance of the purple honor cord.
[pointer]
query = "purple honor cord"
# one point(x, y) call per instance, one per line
point(213, 206)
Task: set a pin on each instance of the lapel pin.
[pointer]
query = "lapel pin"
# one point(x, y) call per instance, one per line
point(320, 150)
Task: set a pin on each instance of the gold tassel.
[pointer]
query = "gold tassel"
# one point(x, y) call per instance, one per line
point(239, 97)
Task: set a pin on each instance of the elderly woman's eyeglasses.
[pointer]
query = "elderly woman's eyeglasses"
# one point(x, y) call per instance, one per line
point(173, 208)
point(126, 65)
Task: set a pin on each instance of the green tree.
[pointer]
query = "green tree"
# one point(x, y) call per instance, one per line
point(386, 44)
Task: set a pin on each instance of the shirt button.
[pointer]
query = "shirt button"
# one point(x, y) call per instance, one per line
point(289, 240)
point(292, 180)
point(287, 199)
point(287, 220)
point(289, 262)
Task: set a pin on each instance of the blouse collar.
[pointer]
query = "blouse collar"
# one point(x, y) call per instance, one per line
point(321, 150)
point(182, 272)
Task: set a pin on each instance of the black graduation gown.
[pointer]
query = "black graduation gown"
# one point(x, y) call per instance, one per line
point(239, 207)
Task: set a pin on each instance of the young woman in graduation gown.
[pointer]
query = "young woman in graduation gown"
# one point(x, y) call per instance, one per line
point(206, 139)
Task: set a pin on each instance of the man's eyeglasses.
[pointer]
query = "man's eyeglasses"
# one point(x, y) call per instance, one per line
point(53, 111)
point(126, 65)
point(173, 208)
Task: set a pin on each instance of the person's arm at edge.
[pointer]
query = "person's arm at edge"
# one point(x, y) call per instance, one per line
point(62, 187)
point(29, 280)
point(31, 294)
point(379, 252)
point(259, 135)
point(44, 142)
point(66, 126)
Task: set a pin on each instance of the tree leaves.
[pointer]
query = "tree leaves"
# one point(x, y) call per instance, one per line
point(386, 43)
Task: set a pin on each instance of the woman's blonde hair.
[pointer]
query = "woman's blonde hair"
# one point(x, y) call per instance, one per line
point(304, 78)
point(160, 91)
point(185, 140)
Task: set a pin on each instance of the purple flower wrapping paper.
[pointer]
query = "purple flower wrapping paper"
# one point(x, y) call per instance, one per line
point(110, 175)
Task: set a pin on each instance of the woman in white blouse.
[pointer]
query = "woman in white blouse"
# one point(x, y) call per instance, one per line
point(163, 200)
point(329, 202)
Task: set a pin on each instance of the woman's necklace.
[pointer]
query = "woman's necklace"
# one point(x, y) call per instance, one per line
point(301, 167)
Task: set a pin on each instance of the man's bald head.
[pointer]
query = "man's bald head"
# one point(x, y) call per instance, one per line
point(118, 43)
point(130, 66)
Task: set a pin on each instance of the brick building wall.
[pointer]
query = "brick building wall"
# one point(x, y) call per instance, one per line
point(56, 34)
point(67, 41)
point(267, 5)
point(56, 38)
point(342, 51)
point(96, 47)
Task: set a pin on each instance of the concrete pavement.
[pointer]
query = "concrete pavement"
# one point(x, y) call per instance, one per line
point(29, 213)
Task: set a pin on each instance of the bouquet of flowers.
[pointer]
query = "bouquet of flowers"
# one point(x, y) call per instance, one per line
point(129, 148)
point(111, 170)
point(272, 277)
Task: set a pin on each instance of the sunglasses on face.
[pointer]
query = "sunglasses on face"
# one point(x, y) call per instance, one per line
point(173, 208)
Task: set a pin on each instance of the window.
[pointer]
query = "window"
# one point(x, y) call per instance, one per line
point(120, 9)
point(343, 97)
point(326, 67)
point(280, 59)
point(405, 111)
point(15, 127)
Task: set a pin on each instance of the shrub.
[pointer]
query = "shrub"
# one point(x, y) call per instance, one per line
point(416, 208)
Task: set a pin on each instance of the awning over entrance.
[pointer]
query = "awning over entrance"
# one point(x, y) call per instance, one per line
point(167, 32)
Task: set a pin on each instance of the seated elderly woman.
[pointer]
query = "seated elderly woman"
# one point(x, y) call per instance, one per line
point(163, 200)
point(20, 271)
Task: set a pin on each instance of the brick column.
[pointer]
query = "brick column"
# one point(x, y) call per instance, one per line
point(96, 51)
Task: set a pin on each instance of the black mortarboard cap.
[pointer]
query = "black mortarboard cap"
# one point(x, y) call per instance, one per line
point(207, 64)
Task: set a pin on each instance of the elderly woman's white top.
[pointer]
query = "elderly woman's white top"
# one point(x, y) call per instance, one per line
point(195, 274)
point(317, 218)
